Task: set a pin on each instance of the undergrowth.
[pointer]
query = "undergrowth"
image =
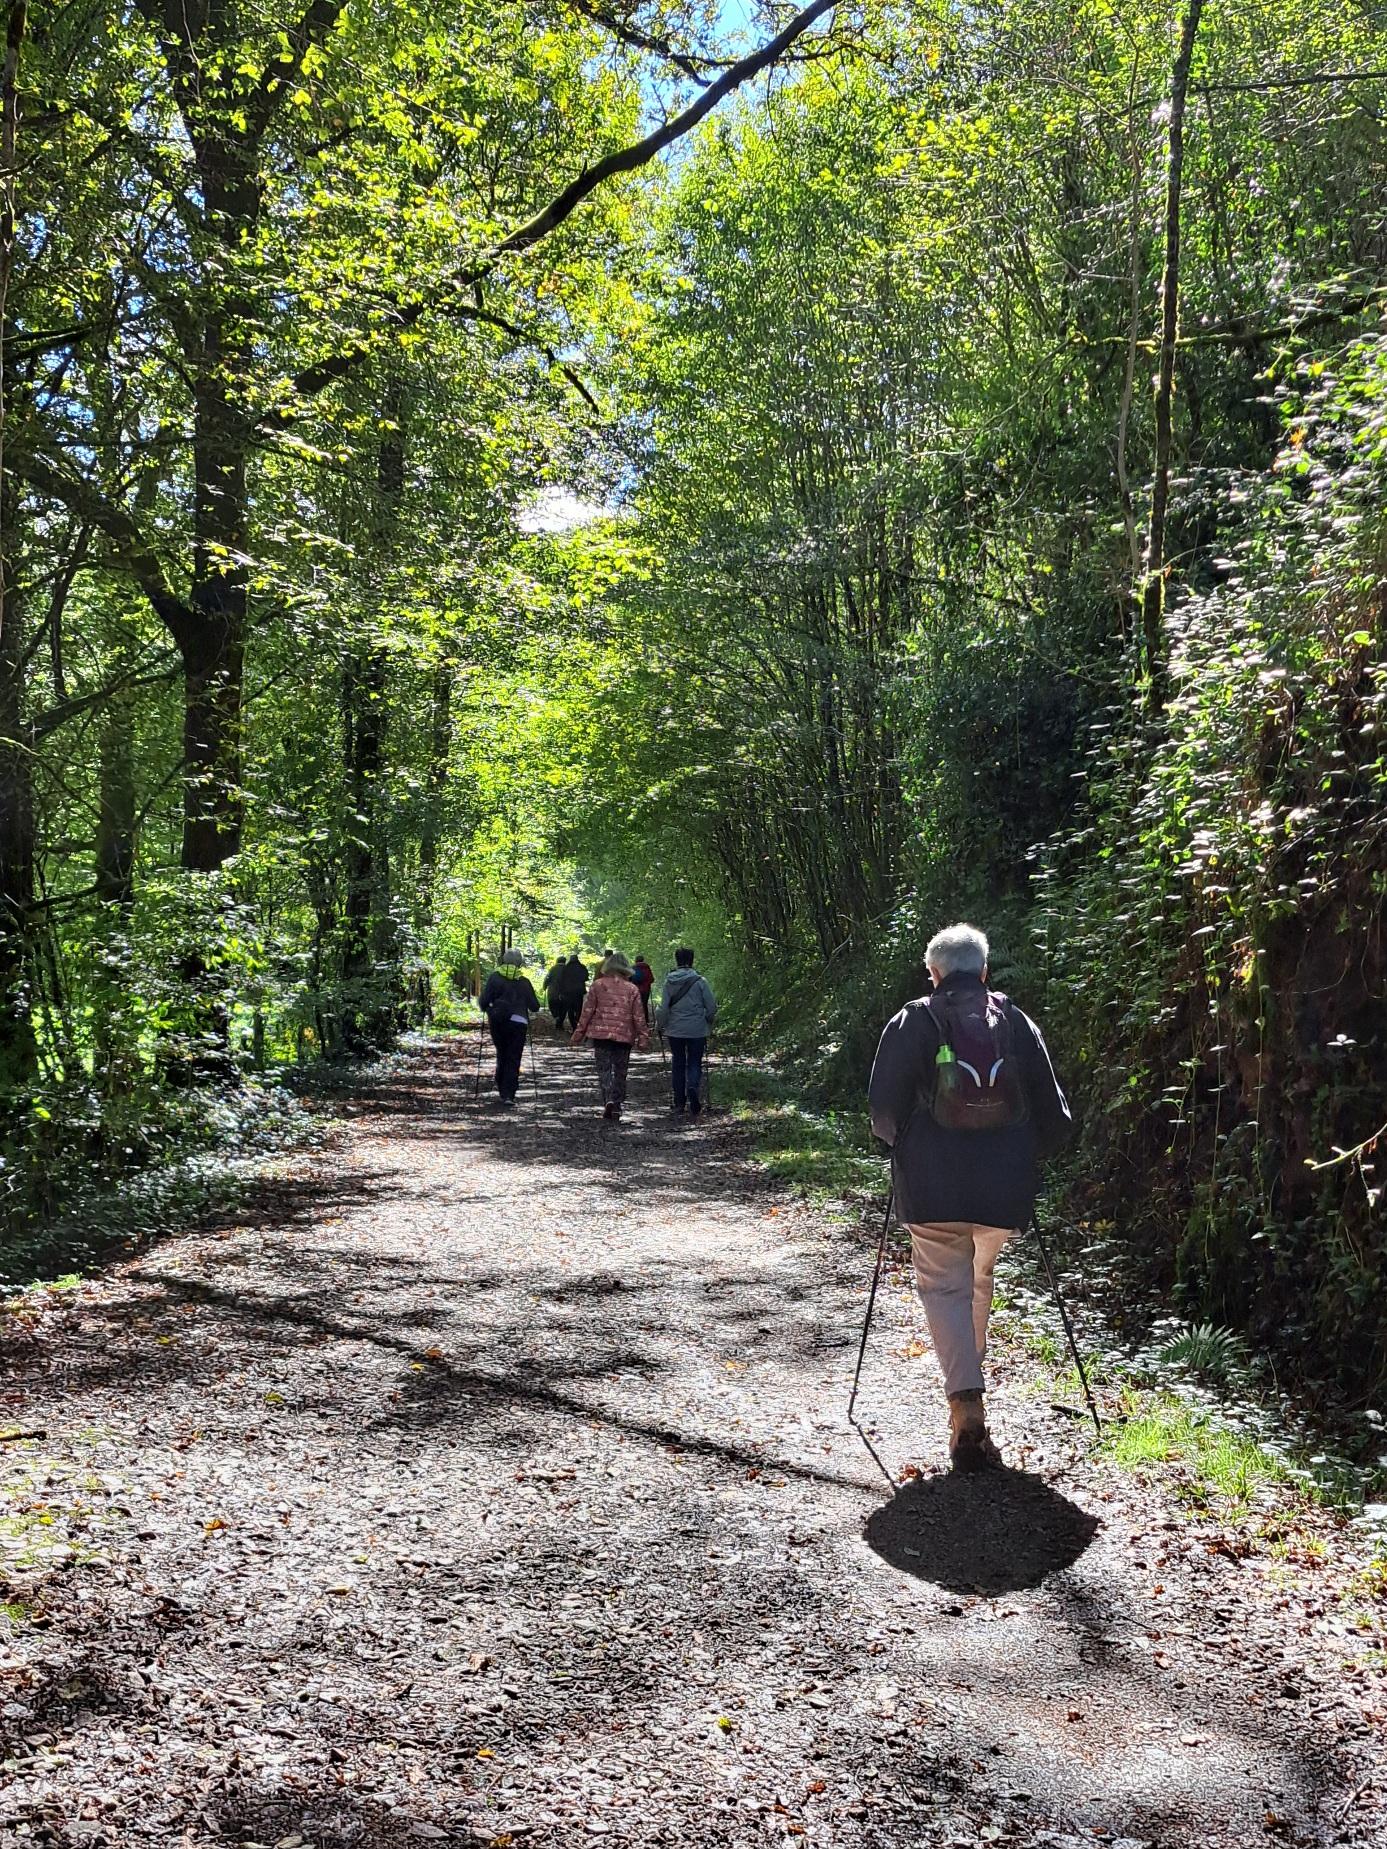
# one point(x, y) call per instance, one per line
point(828, 1153)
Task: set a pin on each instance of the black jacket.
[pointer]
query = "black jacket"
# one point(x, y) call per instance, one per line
point(988, 1176)
point(515, 992)
point(571, 983)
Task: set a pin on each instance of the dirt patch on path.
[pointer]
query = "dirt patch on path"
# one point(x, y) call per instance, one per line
point(489, 1483)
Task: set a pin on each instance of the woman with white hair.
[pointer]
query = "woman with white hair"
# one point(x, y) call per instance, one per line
point(508, 1000)
point(964, 1094)
point(613, 1019)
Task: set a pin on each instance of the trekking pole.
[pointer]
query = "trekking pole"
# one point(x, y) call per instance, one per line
point(477, 1082)
point(707, 1080)
point(866, 1328)
point(1064, 1318)
point(534, 1076)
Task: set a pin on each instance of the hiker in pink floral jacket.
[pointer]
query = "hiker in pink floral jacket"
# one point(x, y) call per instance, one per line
point(613, 1019)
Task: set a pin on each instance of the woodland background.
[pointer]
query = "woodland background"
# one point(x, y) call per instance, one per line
point(791, 543)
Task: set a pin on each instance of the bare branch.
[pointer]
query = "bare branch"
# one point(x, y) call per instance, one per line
point(475, 312)
point(640, 153)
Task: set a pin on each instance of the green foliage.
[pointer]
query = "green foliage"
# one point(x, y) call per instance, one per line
point(758, 569)
point(1217, 1354)
point(1219, 1469)
point(828, 1154)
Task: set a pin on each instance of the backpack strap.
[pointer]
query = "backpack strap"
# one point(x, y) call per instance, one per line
point(673, 1001)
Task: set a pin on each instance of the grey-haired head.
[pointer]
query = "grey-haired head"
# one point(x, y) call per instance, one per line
point(961, 949)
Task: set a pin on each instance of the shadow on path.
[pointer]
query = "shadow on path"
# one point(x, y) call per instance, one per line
point(993, 1532)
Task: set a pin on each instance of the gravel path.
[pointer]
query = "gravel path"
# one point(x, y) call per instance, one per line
point(489, 1483)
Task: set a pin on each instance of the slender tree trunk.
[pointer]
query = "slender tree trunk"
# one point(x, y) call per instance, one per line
point(115, 881)
point(369, 935)
point(1153, 590)
point(16, 22)
point(440, 741)
point(1126, 613)
point(115, 836)
point(213, 648)
point(18, 1047)
point(364, 740)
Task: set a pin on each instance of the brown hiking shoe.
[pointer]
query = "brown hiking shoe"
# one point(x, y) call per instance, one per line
point(970, 1447)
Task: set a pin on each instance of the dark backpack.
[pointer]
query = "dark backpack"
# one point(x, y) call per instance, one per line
point(507, 1001)
point(977, 1079)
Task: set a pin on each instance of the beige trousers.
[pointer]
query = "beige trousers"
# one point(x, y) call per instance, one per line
point(954, 1261)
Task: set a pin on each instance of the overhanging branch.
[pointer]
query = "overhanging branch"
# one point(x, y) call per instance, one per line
point(316, 378)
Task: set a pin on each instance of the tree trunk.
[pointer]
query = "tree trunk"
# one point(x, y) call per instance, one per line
point(1153, 590)
point(440, 740)
point(15, 25)
point(213, 647)
point(368, 941)
point(115, 834)
point(213, 668)
point(115, 885)
point(364, 719)
point(18, 1047)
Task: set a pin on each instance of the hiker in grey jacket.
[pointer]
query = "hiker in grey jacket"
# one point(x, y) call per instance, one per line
point(685, 1016)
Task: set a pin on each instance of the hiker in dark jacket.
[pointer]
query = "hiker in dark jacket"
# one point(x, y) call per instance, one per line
point(508, 1000)
point(553, 990)
point(964, 1093)
point(645, 982)
point(570, 992)
point(685, 1016)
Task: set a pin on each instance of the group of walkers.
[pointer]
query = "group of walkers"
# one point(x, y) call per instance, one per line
point(962, 1093)
point(611, 1012)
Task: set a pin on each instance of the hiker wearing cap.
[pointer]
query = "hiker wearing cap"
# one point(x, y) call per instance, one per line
point(508, 1000)
point(613, 1021)
point(685, 1017)
point(964, 1094)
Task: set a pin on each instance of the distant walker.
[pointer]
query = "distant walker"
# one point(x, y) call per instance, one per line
point(685, 1016)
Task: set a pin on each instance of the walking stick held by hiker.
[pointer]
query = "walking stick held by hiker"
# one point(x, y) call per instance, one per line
point(481, 1042)
point(534, 1076)
point(1068, 1326)
point(866, 1329)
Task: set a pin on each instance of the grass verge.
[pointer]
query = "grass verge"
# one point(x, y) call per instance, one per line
point(827, 1154)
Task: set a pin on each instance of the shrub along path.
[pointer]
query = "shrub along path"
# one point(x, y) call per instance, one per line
point(489, 1484)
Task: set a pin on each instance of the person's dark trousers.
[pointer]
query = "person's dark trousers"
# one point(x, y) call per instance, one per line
point(613, 1061)
point(508, 1037)
point(686, 1072)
